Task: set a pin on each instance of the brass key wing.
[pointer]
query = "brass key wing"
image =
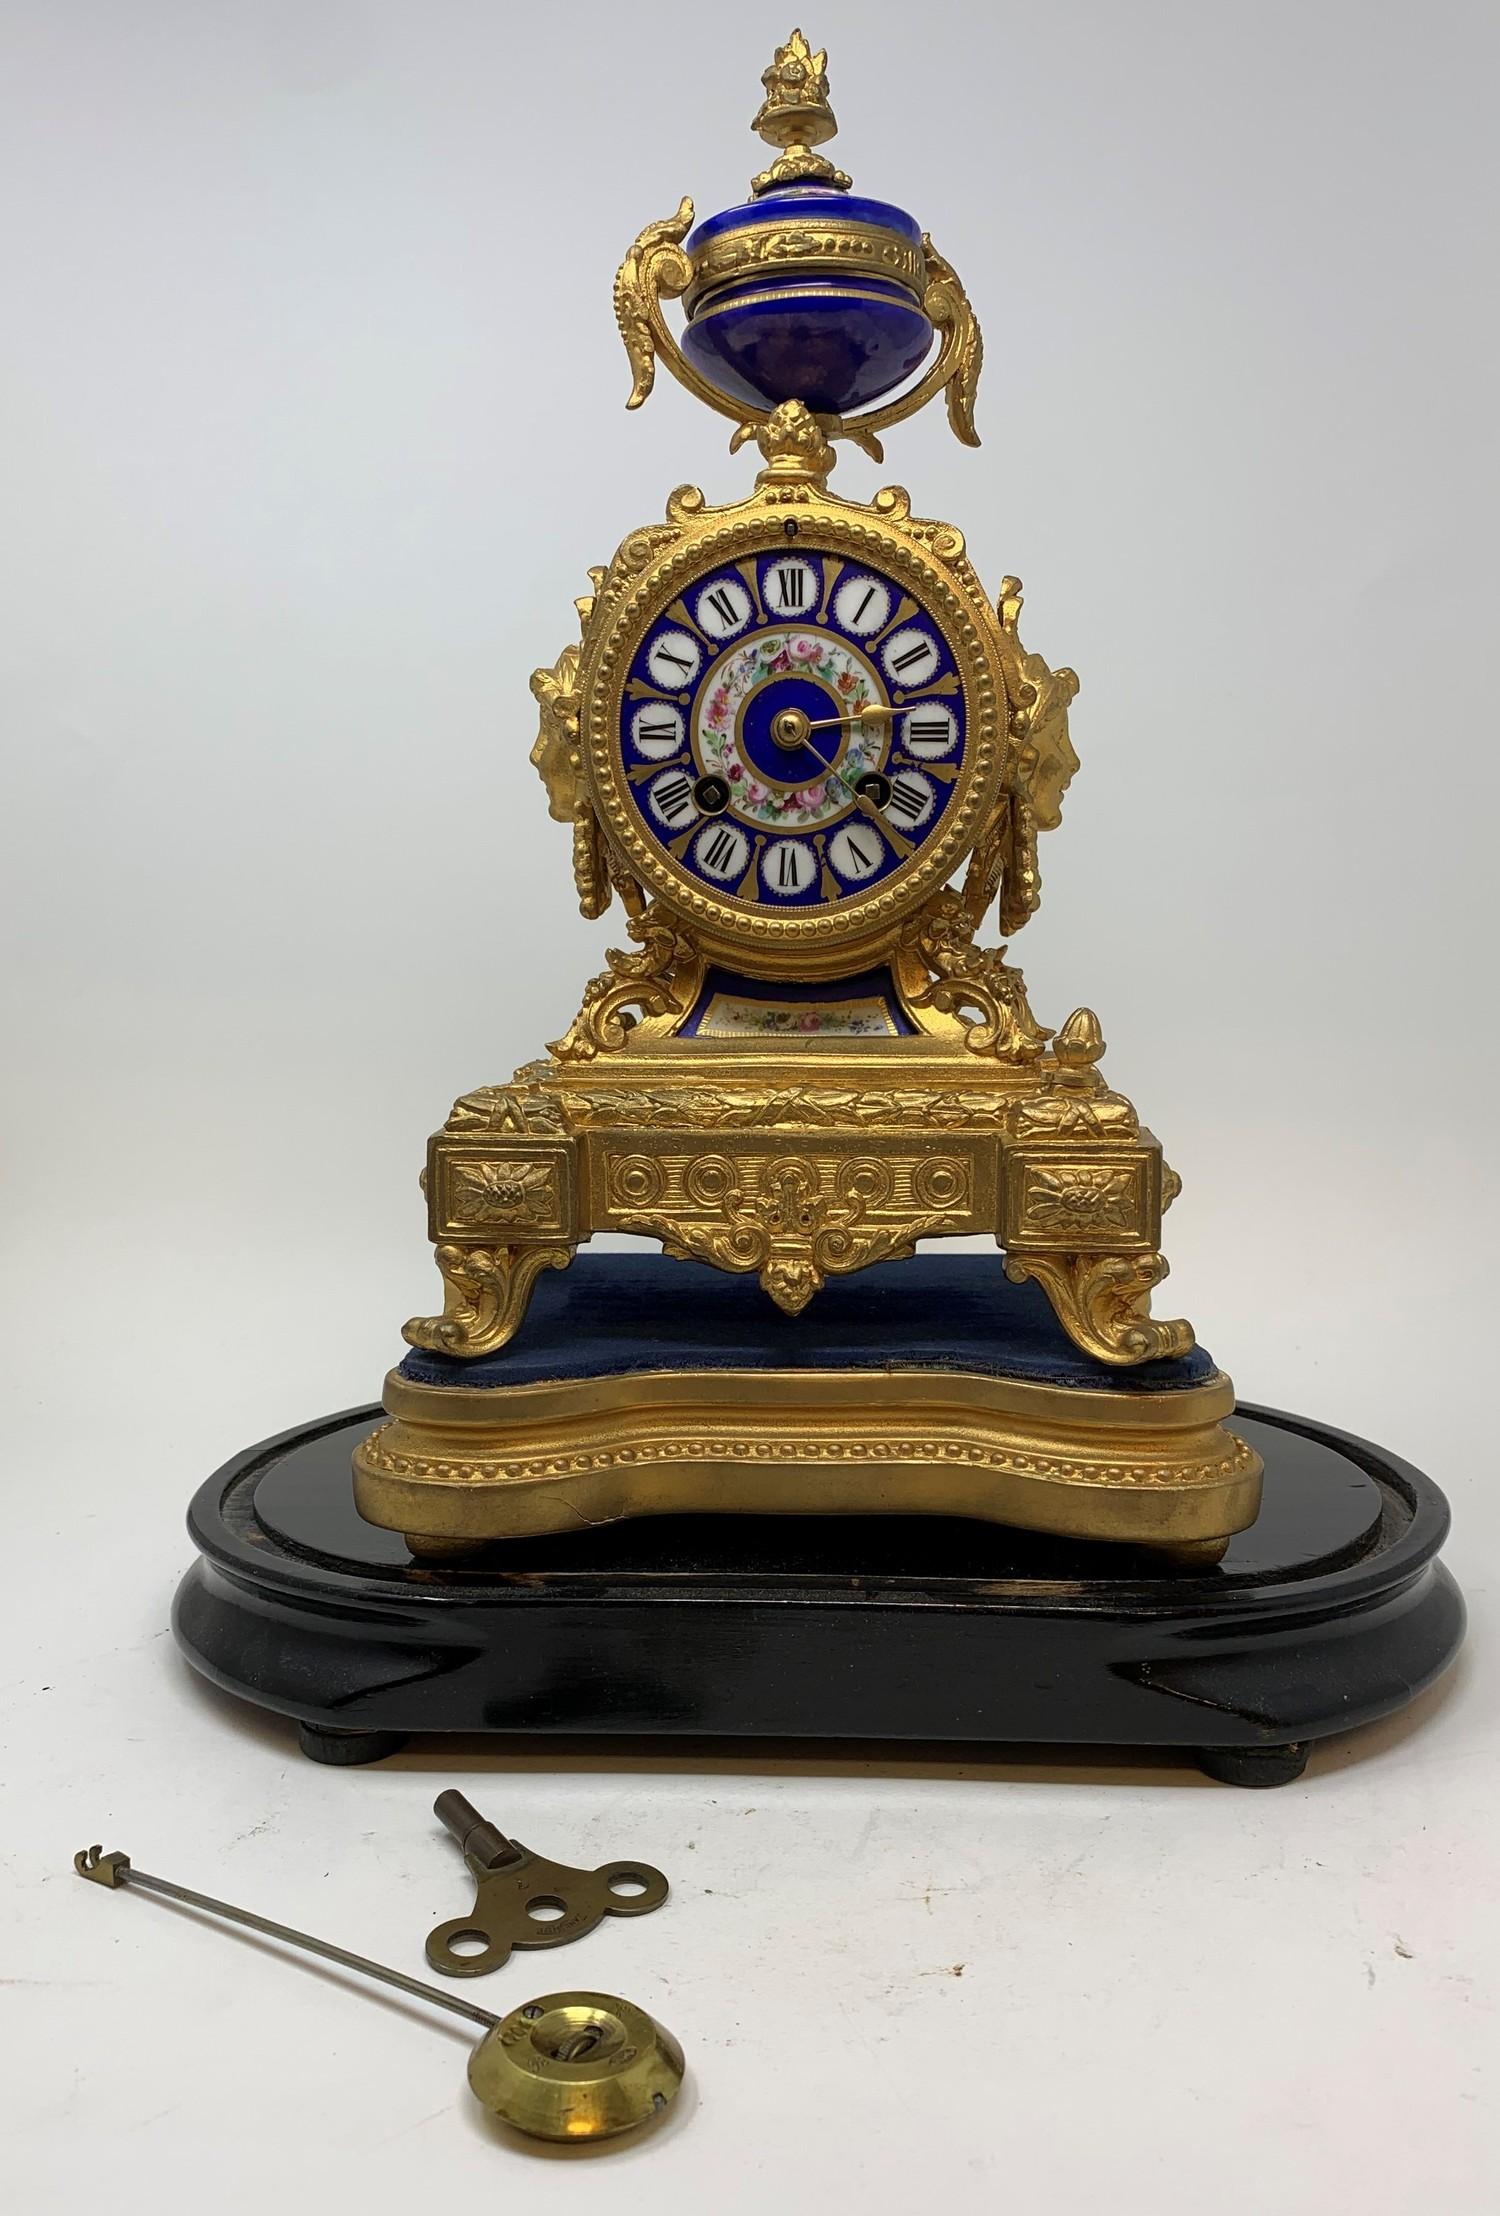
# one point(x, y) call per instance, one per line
point(522, 1900)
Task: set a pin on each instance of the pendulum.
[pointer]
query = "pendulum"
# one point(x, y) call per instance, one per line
point(569, 2066)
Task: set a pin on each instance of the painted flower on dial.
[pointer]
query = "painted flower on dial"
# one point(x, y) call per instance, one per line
point(846, 677)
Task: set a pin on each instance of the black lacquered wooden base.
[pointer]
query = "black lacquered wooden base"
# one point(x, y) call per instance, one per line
point(1331, 1610)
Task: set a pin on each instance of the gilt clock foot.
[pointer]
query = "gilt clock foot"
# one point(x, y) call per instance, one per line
point(486, 1292)
point(1103, 1302)
point(1255, 1766)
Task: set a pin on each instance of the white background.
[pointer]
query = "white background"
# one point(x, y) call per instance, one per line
point(311, 419)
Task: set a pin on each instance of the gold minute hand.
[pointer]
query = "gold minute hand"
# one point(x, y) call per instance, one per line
point(857, 715)
point(876, 815)
point(869, 807)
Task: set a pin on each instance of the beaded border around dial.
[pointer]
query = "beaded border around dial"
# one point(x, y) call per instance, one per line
point(641, 585)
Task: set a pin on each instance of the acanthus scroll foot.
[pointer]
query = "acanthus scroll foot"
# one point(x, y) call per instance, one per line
point(486, 1292)
point(1103, 1302)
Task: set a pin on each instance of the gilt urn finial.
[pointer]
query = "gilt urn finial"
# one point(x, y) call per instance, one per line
point(796, 116)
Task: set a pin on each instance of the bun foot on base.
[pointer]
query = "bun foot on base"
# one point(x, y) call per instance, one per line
point(1255, 1765)
point(347, 1749)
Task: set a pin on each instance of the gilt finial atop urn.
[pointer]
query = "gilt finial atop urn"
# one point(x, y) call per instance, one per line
point(795, 116)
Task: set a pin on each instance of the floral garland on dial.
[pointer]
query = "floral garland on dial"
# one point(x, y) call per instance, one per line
point(781, 654)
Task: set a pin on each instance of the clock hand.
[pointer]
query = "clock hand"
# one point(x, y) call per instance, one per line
point(859, 715)
point(877, 816)
point(789, 729)
point(862, 801)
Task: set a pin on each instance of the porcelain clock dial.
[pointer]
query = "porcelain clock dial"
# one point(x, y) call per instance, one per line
point(793, 729)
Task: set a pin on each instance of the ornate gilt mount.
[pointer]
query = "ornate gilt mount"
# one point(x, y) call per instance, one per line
point(660, 981)
point(967, 977)
point(799, 1168)
point(806, 1221)
point(1102, 1300)
point(1083, 1197)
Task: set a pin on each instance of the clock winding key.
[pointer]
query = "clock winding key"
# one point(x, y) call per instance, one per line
point(522, 1900)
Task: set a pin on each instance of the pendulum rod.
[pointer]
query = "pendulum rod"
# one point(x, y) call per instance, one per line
point(90, 1863)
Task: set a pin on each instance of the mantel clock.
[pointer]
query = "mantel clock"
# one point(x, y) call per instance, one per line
point(759, 1466)
point(804, 749)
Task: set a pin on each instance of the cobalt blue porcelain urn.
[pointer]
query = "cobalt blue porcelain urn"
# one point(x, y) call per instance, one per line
point(805, 292)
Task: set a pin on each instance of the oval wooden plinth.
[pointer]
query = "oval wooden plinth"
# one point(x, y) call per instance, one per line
point(1330, 1610)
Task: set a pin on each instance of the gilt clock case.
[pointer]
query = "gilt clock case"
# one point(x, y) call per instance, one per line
point(841, 908)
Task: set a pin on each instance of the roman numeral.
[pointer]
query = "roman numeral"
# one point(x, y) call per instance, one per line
point(858, 616)
point(913, 656)
point(786, 868)
point(792, 585)
point(662, 730)
point(673, 798)
point(864, 860)
point(718, 850)
point(908, 800)
point(934, 728)
point(678, 661)
point(723, 607)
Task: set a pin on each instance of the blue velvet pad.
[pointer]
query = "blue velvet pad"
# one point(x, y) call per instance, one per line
point(609, 1314)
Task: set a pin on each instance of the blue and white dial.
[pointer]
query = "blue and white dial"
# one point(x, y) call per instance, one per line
point(793, 729)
